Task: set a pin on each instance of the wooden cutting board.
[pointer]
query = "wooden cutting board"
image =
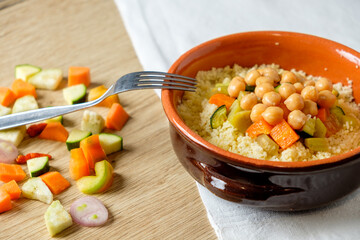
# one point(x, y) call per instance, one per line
point(152, 197)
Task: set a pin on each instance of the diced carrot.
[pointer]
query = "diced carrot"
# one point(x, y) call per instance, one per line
point(54, 131)
point(5, 202)
point(7, 97)
point(55, 182)
point(92, 150)
point(97, 92)
point(35, 129)
point(220, 99)
point(79, 167)
point(78, 75)
point(283, 134)
point(116, 118)
point(12, 188)
point(10, 172)
point(259, 127)
point(323, 113)
point(22, 88)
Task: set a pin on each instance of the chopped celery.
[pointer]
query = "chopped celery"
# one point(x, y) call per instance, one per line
point(235, 108)
point(267, 144)
point(317, 144)
point(320, 129)
point(241, 95)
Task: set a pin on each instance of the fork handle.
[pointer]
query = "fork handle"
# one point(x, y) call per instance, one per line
point(18, 119)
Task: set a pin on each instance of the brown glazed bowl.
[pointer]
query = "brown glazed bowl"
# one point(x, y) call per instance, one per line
point(282, 186)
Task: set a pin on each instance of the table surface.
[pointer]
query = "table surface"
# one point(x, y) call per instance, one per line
point(152, 197)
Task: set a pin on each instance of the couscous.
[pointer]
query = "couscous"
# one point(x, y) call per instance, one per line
point(269, 113)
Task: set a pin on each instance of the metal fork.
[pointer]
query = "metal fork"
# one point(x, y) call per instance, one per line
point(128, 82)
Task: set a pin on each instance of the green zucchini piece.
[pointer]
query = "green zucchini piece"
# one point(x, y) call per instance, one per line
point(271, 147)
point(75, 94)
point(235, 108)
point(320, 129)
point(25, 103)
point(241, 120)
point(350, 122)
point(221, 88)
point(309, 127)
point(317, 144)
point(110, 142)
point(59, 119)
point(277, 88)
point(4, 110)
point(75, 136)
point(38, 166)
point(338, 112)
point(218, 117)
point(249, 88)
point(25, 71)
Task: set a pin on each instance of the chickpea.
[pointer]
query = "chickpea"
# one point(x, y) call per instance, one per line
point(286, 89)
point(261, 80)
point(294, 102)
point(326, 99)
point(309, 83)
point(248, 101)
point(270, 73)
point(297, 119)
point(273, 115)
point(310, 93)
point(323, 84)
point(310, 107)
point(288, 77)
point(251, 77)
point(256, 112)
point(299, 87)
point(263, 88)
point(271, 99)
point(236, 85)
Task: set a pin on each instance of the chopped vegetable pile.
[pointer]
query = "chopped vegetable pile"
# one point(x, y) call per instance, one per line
point(88, 147)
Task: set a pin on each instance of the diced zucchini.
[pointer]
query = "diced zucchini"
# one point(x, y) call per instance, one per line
point(25, 71)
point(338, 113)
point(110, 142)
point(267, 144)
point(336, 93)
point(241, 120)
point(25, 103)
point(13, 135)
point(47, 79)
point(38, 166)
point(309, 127)
point(350, 122)
point(57, 218)
point(75, 94)
point(249, 88)
point(75, 136)
point(92, 122)
point(218, 117)
point(320, 129)
point(4, 110)
point(317, 144)
point(277, 88)
point(235, 108)
point(221, 88)
point(59, 119)
point(35, 188)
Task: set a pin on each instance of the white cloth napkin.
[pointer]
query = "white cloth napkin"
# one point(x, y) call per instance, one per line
point(161, 30)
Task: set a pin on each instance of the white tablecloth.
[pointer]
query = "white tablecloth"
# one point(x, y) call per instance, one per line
point(161, 30)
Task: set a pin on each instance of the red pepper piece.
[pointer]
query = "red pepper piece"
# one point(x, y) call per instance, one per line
point(21, 159)
point(35, 129)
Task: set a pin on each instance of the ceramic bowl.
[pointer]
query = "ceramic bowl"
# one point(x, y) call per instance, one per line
point(283, 186)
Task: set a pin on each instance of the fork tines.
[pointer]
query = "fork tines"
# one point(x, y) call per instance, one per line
point(151, 79)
